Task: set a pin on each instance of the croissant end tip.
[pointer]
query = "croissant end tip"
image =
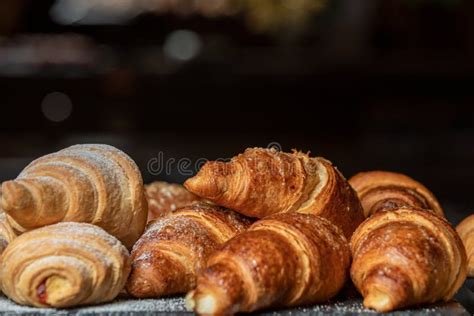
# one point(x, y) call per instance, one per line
point(380, 300)
point(203, 305)
point(139, 286)
point(15, 196)
point(189, 301)
point(192, 184)
point(210, 182)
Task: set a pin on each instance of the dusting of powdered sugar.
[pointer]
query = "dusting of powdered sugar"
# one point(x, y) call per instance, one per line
point(116, 155)
point(50, 261)
point(89, 229)
point(154, 227)
point(105, 148)
point(118, 307)
point(56, 243)
point(78, 173)
point(106, 165)
point(65, 236)
point(176, 305)
point(176, 228)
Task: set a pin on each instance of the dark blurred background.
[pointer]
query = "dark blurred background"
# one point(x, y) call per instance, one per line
point(367, 84)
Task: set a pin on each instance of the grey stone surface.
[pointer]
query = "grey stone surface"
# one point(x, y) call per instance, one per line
point(175, 306)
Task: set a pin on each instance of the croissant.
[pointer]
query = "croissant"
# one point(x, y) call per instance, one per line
point(466, 232)
point(164, 198)
point(96, 184)
point(379, 190)
point(7, 234)
point(6, 231)
point(174, 248)
point(286, 259)
point(406, 257)
point(261, 182)
point(64, 265)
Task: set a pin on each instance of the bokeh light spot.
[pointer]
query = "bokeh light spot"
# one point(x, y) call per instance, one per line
point(56, 106)
point(182, 45)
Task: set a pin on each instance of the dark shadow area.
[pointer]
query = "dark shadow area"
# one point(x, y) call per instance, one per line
point(368, 85)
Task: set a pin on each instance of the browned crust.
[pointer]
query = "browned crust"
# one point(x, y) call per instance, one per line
point(257, 183)
point(465, 230)
point(7, 233)
point(175, 247)
point(378, 190)
point(164, 198)
point(337, 202)
point(285, 259)
point(261, 182)
point(405, 257)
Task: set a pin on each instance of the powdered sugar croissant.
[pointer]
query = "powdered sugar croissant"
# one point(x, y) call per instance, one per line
point(261, 182)
point(7, 234)
point(96, 184)
point(64, 265)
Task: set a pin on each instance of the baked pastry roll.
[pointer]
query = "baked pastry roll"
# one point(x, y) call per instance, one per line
point(175, 247)
point(164, 198)
point(6, 231)
point(64, 265)
point(287, 259)
point(96, 184)
point(466, 231)
point(7, 234)
point(406, 257)
point(380, 190)
point(261, 182)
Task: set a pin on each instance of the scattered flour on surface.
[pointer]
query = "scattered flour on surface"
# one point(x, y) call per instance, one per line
point(177, 305)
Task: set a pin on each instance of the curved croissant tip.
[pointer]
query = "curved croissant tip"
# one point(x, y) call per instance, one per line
point(192, 184)
point(205, 304)
point(379, 300)
point(139, 285)
point(15, 196)
point(210, 182)
point(189, 302)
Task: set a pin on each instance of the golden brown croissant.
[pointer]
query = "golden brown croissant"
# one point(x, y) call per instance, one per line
point(285, 259)
point(164, 198)
point(466, 232)
point(64, 265)
point(262, 182)
point(96, 184)
point(7, 234)
point(406, 257)
point(174, 248)
point(379, 190)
